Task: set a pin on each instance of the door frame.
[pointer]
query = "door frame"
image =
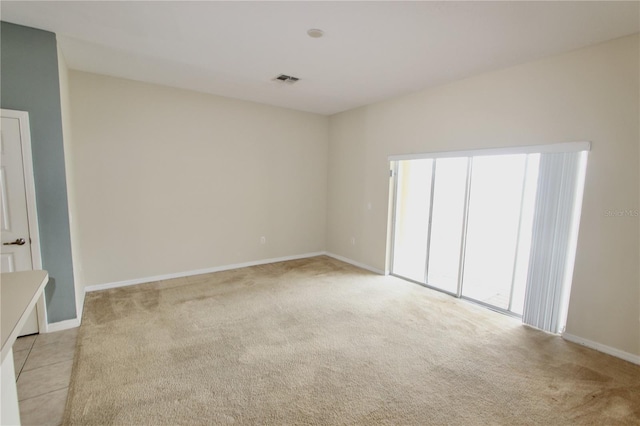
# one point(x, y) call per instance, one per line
point(32, 211)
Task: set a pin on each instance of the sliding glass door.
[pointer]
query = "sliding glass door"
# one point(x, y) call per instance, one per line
point(413, 207)
point(462, 225)
point(447, 221)
point(496, 227)
point(495, 202)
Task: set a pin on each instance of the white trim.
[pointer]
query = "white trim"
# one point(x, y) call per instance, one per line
point(80, 306)
point(530, 149)
point(355, 263)
point(63, 325)
point(125, 283)
point(32, 209)
point(602, 348)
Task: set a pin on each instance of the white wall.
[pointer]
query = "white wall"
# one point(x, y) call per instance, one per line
point(586, 95)
point(169, 180)
point(67, 136)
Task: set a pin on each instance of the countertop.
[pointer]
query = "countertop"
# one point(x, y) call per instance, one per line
point(19, 292)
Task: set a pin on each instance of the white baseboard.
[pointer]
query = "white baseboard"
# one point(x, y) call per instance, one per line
point(199, 272)
point(62, 325)
point(602, 348)
point(355, 263)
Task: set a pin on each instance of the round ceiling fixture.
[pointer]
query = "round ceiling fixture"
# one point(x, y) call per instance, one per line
point(315, 33)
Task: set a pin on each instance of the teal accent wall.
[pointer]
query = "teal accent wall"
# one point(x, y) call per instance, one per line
point(29, 82)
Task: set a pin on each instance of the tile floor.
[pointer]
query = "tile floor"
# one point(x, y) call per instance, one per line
point(43, 365)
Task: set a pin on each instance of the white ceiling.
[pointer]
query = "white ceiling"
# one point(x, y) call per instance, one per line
point(371, 50)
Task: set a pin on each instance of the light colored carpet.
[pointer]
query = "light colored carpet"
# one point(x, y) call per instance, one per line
point(319, 342)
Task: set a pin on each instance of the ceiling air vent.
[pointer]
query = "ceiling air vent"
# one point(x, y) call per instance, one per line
point(287, 78)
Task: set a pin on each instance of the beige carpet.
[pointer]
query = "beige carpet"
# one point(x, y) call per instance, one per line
point(319, 342)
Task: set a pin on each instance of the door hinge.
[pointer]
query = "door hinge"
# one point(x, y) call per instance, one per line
point(391, 174)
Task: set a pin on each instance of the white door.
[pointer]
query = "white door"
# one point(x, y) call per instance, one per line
point(14, 220)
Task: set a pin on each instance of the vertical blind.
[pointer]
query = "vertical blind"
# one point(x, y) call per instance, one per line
point(553, 243)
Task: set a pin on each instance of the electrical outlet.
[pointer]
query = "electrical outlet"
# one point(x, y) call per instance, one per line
point(353, 241)
point(263, 240)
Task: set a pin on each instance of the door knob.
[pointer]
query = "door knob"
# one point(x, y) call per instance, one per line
point(17, 242)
